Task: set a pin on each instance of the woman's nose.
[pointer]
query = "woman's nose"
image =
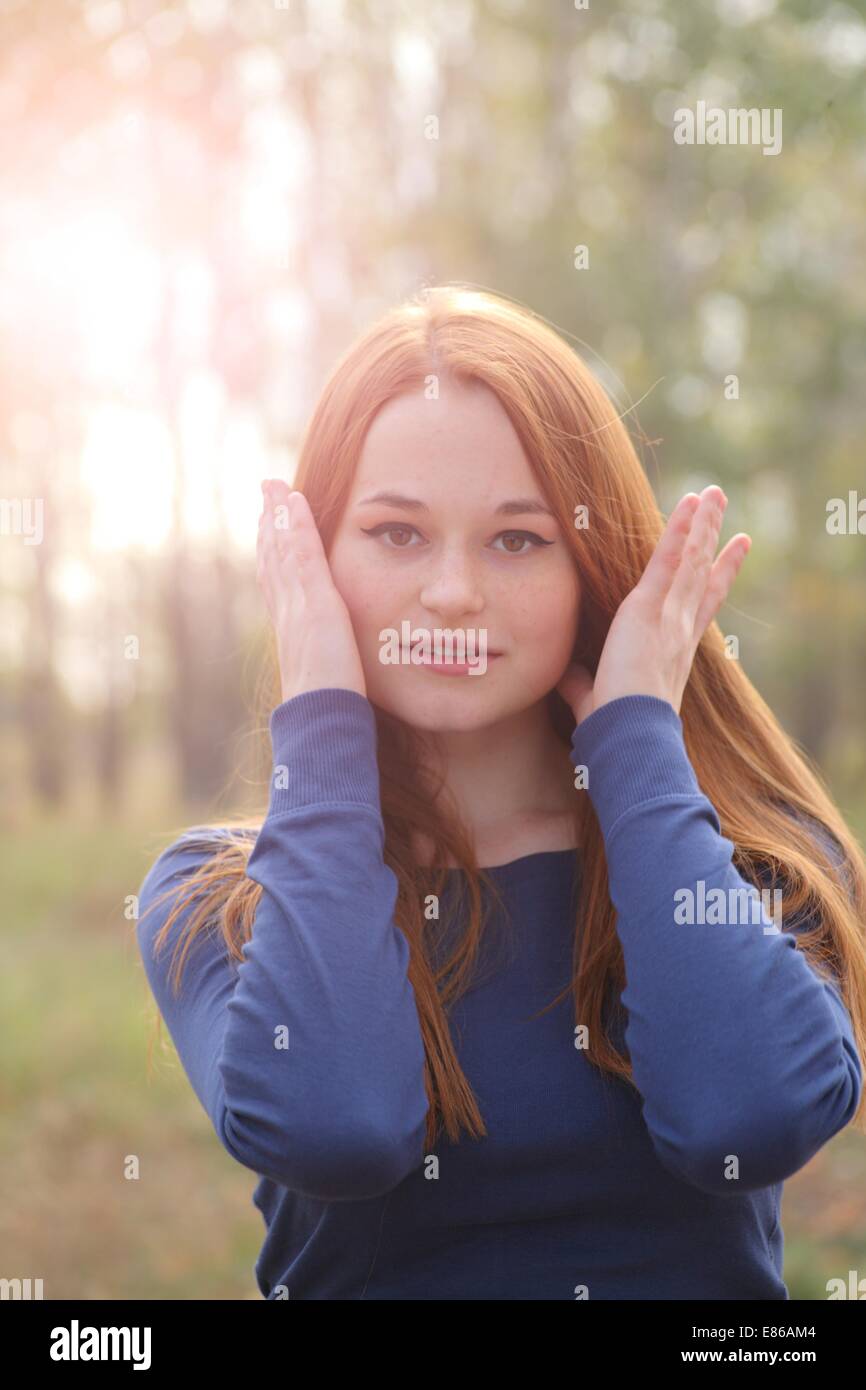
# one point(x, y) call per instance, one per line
point(454, 587)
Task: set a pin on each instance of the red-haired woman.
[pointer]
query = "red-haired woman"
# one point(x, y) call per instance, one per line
point(545, 966)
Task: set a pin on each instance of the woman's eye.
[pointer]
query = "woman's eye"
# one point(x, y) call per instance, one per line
point(523, 536)
point(386, 528)
point(389, 528)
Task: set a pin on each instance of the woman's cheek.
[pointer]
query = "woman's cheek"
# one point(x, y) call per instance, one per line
point(353, 582)
point(550, 625)
point(370, 605)
point(538, 608)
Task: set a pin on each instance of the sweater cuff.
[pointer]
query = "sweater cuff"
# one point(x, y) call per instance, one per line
point(633, 750)
point(324, 750)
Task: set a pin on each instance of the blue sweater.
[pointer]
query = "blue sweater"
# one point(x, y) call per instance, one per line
point(743, 1056)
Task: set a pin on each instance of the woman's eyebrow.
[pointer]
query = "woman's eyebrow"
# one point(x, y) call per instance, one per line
point(517, 506)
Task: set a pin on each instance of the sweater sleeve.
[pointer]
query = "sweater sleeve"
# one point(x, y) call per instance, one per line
point(307, 1055)
point(739, 1049)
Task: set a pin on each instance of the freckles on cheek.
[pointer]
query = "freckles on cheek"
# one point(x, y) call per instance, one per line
point(532, 608)
point(544, 616)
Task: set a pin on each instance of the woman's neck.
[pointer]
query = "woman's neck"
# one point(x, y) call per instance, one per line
point(513, 785)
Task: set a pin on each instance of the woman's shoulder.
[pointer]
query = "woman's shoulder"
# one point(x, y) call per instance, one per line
point(182, 848)
point(183, 856)
point(202, 840)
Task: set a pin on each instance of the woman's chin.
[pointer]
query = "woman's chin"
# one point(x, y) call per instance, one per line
point(450, 709)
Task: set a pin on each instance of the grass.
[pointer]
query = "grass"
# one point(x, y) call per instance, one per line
point(121, 1189)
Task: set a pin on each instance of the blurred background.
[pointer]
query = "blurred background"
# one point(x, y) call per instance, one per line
point(202, 204)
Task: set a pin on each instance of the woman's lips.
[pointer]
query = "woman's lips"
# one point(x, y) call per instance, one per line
point(456, 668)
point(438, 664)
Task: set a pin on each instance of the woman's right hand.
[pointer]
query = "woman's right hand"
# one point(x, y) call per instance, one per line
point(316, 644)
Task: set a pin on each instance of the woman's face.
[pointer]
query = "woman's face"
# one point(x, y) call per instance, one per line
point(449, 556)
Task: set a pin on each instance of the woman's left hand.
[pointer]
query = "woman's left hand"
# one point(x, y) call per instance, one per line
point(651, 643)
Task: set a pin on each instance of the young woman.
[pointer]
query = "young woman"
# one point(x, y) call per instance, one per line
point(477, 998)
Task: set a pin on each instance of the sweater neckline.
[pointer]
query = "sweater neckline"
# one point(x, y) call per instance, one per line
point(524, 859)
